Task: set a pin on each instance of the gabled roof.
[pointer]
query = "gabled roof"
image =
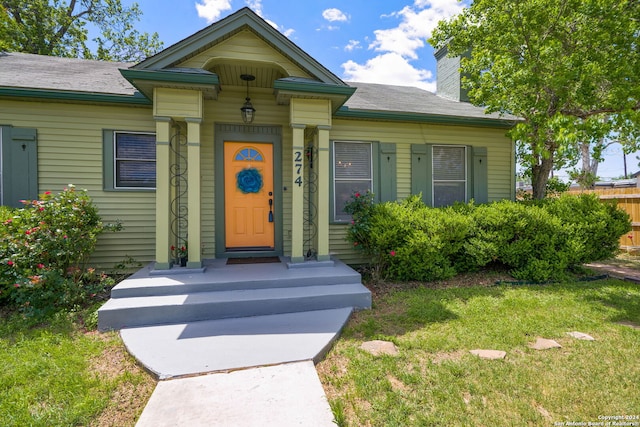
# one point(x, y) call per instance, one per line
point(241, 20)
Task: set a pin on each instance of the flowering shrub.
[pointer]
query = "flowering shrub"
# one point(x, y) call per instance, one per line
point(44, 247)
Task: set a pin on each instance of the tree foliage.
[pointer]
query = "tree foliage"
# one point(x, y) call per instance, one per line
point(569, 68)
point(61, 28)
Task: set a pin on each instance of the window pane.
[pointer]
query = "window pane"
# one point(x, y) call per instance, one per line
point(135, 155)
point(135, 146)
point(352, 160)
point(449, 163)
point(131, 173)
point(343, 192)
point(447, 193)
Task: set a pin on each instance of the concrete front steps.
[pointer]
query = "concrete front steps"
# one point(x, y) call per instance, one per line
point(221, 291)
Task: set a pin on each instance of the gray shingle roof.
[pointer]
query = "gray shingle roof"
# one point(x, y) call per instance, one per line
point(407, 99)
point(22, 70)
point(30, 71)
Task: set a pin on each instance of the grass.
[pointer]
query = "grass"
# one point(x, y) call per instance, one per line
point(435, 381)
point(57, 373)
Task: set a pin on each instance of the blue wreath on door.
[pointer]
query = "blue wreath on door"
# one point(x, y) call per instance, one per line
point(249, 180)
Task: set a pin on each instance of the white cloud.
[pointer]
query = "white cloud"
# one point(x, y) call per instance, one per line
point(212, 9)
point(333, 15)
point(353, 44)
point(397, 47)
point(389, 68)
point(417, 23)
point(256, 6)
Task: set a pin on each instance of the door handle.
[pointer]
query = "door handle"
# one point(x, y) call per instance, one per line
point(270, 209)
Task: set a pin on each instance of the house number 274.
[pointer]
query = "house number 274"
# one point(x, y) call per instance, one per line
point(298, 167)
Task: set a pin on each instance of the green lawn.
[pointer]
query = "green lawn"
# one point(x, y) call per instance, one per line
point(435, 381)
point(55, 373)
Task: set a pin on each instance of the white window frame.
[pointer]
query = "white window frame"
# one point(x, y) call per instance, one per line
point(116, 159)
point(335, 214)
point(465, 167)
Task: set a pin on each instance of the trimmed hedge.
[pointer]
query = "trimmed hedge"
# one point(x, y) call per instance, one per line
point(536, 241)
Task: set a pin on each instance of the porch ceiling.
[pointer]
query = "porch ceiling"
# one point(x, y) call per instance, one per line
point(229, 73)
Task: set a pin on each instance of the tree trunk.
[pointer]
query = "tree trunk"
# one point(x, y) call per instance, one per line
point(540, 177)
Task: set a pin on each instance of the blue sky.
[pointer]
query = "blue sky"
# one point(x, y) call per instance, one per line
point(359, 40)
point(376, 41)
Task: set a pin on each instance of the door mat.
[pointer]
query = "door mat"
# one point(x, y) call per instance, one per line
point(253, 260)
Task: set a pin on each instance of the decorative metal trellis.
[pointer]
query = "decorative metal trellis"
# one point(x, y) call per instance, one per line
point(179, 186)
point(310, 210)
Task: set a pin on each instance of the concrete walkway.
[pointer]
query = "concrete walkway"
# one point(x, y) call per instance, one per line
point(254, 371)
point(619, 272)
point(276, 396)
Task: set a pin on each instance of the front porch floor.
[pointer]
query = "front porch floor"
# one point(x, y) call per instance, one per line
point(228, 317)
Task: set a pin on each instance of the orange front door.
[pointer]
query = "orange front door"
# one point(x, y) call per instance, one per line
point(248, 196)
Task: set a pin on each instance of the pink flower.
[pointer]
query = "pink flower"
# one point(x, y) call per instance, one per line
point(64, 237)
point(47, 192)
point(27, 232)
point(16, 285)
point(40, 208)
point(173, 248)
point(357, 194)
point(392, 253)
point(9, 221)
point(40, 266)
point(9, 263)
point(630, 236)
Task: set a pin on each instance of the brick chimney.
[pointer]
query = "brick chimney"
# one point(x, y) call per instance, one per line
point(448, 83)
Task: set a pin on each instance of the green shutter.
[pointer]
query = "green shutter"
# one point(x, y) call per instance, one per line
point(480, 175)
point(421, 172)
point(388, 175)
point(108, 173)
point(19, 165)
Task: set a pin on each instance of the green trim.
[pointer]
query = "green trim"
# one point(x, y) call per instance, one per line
point(61, 95)
point(313, 87)
point(346, 113)
point(230, 25)
point(169, 76)
point(271, 135)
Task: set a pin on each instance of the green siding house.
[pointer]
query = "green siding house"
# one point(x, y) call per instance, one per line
point(237, 141)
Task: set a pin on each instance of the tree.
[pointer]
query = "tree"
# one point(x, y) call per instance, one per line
point(569, 68)
point(61, 28)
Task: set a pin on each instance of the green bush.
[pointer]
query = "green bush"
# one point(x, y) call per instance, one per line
point(527, 239)
point(407, 240)
point(44, 247)
point(594, 225)
point(537, 241)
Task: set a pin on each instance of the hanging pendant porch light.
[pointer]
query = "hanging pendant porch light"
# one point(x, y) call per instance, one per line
point(247, 110)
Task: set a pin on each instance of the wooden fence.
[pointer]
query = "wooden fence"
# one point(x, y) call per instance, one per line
point(628, 198)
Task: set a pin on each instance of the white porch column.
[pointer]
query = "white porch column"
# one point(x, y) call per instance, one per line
point(297, 194)
point(193, 177)
point(163, 242)
point(323, 192)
